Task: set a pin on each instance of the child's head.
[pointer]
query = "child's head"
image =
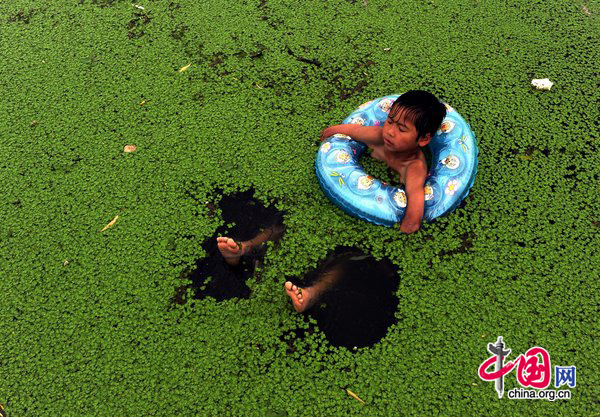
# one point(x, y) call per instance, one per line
point(423, 112)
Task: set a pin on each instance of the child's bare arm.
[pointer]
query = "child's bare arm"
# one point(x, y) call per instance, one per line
point(415, 194)
point(369, 135)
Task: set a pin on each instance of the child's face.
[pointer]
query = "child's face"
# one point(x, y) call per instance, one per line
point(400, 134)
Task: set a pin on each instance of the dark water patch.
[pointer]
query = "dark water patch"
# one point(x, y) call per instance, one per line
point(22, 16)
point(140, 19)
point(179, 32)
point(351, 92)
point(217, 59)
point(529, 152)
point(303, 58)
point(360, 305)
point(466, 244)
point(245, 219)
point(174, 6)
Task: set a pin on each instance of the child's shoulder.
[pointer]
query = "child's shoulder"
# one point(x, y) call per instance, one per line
point(417, 168)
point(419, 164)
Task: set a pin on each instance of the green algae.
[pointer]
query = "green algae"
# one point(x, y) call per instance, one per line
point(87, 327)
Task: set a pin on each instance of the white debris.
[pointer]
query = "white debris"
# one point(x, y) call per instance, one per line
point(139, 7)
point(543, 84)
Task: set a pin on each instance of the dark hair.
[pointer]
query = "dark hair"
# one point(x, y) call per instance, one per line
point(423, 109)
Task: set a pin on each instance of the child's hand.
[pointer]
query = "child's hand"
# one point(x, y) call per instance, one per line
point(326, 133)
point(409, 228)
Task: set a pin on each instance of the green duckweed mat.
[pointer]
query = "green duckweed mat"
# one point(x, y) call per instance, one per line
point(234, 95)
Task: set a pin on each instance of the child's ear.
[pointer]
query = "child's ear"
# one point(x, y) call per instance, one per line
point(425, 140)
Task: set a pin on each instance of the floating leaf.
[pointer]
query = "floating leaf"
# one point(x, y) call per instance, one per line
point(113, 221)
point(185, 68)
point(353, 395)
point(525, 157)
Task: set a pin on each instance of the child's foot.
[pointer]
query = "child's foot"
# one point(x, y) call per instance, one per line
point(302, 298)
point(230, 250)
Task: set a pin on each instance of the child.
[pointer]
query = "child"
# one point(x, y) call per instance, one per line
point(413, 119)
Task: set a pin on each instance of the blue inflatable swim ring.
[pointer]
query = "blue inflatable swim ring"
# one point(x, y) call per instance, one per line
point(452, 173)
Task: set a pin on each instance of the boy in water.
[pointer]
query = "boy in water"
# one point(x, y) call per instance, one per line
point(412, 121)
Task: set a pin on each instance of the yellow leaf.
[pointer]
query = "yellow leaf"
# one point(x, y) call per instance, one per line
point(353, 395)
point(525, 157)
point(185, 68)
point(341, 181)
point(113, 221)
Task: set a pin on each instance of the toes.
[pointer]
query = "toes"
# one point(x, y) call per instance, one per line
point(288, 285)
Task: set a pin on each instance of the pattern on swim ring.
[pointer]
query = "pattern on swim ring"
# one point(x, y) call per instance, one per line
point(342, 157)
point(365, 182)
point(400, 198)
point(451, 161)
point(448, 107)
point(357, 120)
point(362, 106)
point(428, 192)
point(326, 147)
point(447, 126)
point(433, 194)
point(385, 104)
point(462, 142)
point(340, 177)
point(452, 187)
